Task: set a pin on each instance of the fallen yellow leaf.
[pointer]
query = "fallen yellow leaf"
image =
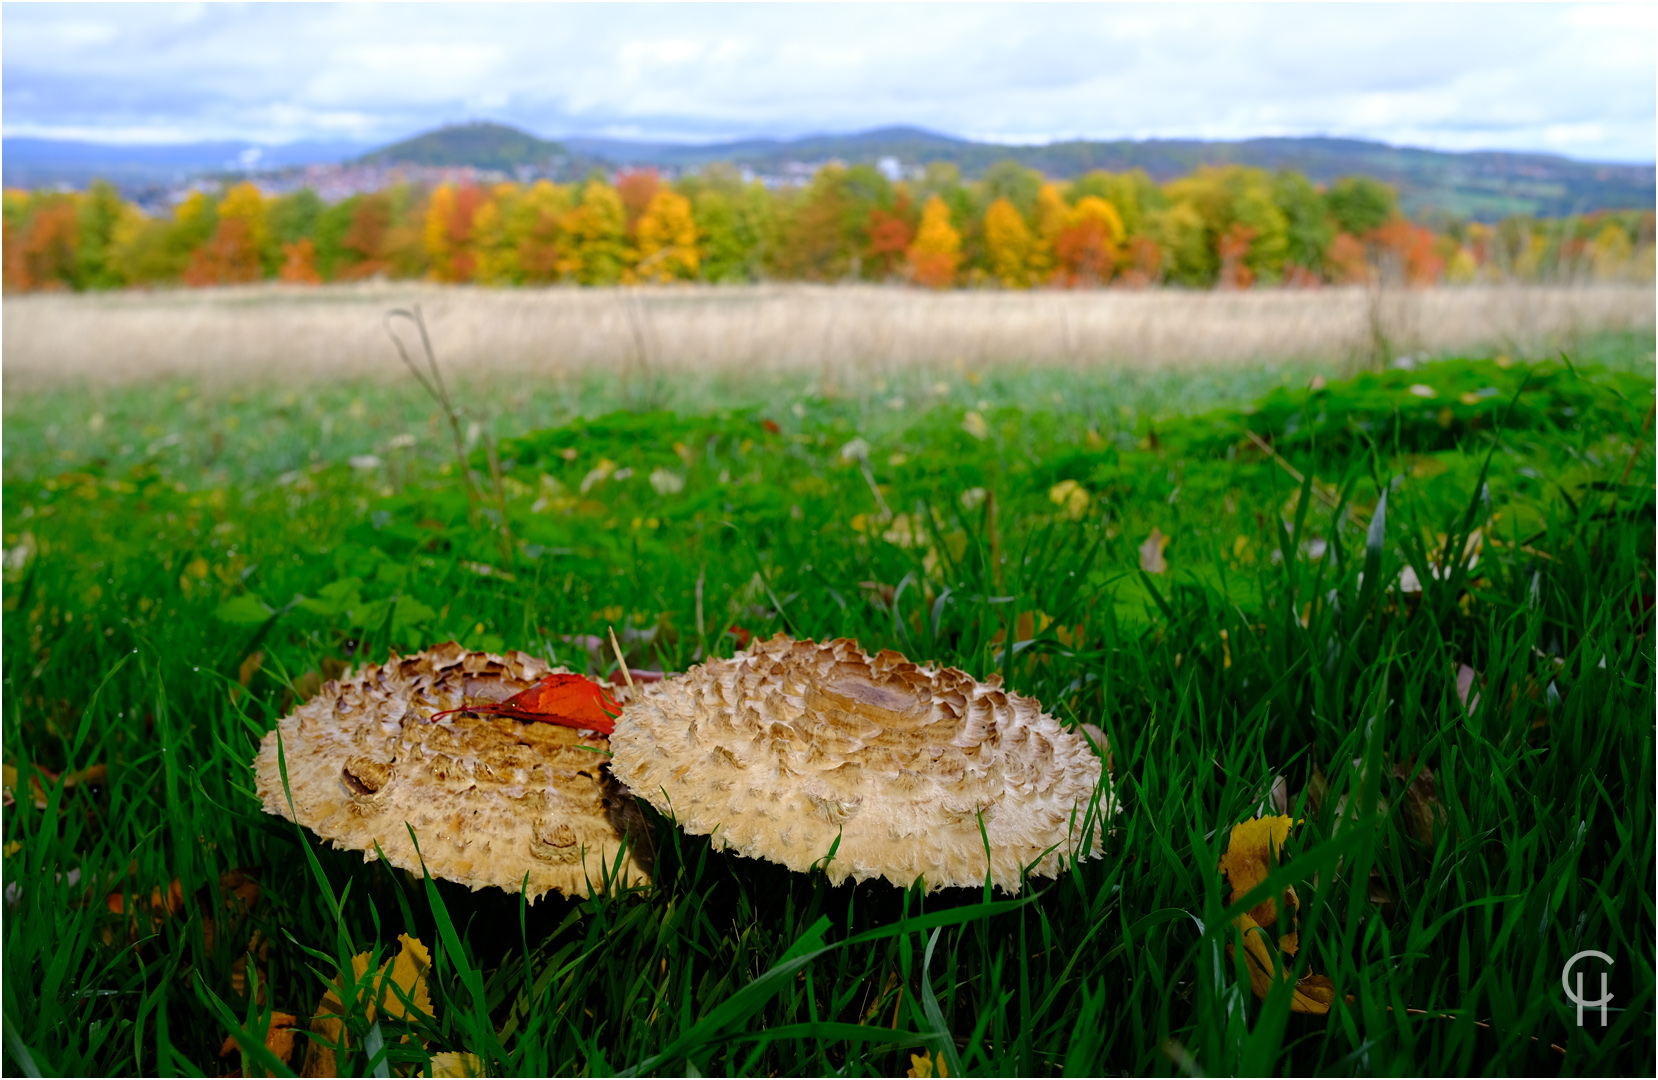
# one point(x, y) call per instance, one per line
point(1251, 852)
point(453, 1064)
point(406, 972)
point(923, 1066)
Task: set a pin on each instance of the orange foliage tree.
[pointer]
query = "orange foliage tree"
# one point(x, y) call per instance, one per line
point(234, 254)
point(1085, 248)
point(299, 263)
point(45, 257)
point(636, 188)
point(1408, 251)
point(1345, 260)
point(936, 252)
point(890, 234)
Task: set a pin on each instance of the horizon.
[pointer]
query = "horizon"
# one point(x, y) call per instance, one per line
point(1572, 80)
point(365, 147)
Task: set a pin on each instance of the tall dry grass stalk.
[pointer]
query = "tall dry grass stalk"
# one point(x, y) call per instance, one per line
point(839, 335)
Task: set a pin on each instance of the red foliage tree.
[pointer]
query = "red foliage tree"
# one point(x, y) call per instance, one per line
point(891, 233)
point(1233, 247)
point(229, 257)
point(365, 239)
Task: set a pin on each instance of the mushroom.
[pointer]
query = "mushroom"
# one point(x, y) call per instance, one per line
point(790, 745)
point(491, 799)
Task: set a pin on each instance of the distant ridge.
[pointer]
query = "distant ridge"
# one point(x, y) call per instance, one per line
point(1483, 185)
point(480, 144)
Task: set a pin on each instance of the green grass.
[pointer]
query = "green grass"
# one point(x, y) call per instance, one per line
point(158, 536)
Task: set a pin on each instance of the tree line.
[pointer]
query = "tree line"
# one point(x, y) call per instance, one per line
point(1226, 227)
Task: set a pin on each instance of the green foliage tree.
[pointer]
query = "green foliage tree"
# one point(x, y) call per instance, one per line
point(291, 218)
point(100, 212)
point(332, 225)
point(1308, 228)
point(1360, 204)
point(1014, 182)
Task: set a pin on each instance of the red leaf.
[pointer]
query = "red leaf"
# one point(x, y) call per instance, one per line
point(570, 700)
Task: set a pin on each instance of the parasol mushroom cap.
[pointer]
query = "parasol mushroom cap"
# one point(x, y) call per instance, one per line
point(491, 799)
point(791, 744)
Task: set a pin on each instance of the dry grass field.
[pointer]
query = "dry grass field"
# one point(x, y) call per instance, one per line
point(839, 334)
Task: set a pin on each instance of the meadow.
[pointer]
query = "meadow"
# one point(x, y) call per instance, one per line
point(1253, 578)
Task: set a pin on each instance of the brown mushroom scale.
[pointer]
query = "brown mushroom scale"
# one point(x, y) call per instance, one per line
point(782, 749)
point(490, 799)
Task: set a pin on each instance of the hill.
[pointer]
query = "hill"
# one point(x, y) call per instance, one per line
point(1482, 185)
point(481, 144)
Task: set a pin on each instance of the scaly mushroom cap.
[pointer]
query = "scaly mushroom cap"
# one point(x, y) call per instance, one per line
point(781, 749)
point(490, 798)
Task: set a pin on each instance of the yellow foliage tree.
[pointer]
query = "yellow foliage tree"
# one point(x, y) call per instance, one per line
point(1009, 243)
point(244, 203)
point(533, 229)
point(597, 230)
point(435, 235)
point(497, 256)
point(936, 252)
point(667, 237)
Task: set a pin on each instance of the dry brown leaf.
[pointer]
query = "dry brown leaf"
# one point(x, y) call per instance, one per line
point(1425, 815)
point(91, 775)
point(1151, 553)
point(279, 1039)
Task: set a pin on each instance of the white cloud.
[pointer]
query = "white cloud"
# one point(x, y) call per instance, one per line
point(1571, 79)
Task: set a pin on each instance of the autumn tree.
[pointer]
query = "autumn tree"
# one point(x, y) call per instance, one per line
point(1012, 182)
point(495, 251)
point(44, 255)
point(1009, 243)
point(233, 254)
point(447, 236)
point(667, 238)
point(1086, 246)
point(291, 218)
point(99, 214)
point(1308, 228)
point(891, 231)
point(816, 244)
point(636, 188)
point(364, 245)
point(1233, 196)
point(299, 263)
point(1407, 252)
point(936, 252)
point(1132, 194)
point(533, 230)
point(597, 231)
point(1183, 241)
point(1359, 204)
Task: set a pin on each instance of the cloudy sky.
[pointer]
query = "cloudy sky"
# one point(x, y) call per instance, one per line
point(1571, 79)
